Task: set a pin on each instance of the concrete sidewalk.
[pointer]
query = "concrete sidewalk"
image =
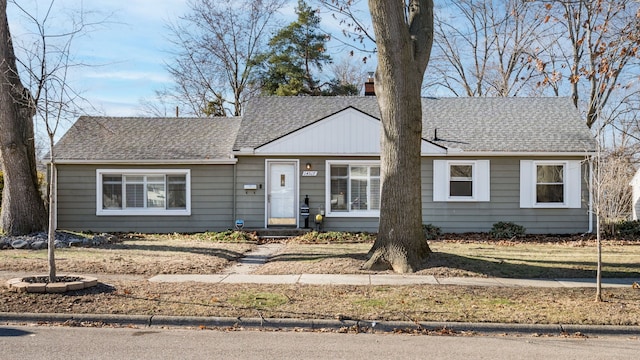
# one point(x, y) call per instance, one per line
point(352, 279)
point(388, 279)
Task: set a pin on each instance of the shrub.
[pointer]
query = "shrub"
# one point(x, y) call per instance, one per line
point(628, 228)
point(228, 236)
point(431, 231)
point(506, 230)
point(336, 237)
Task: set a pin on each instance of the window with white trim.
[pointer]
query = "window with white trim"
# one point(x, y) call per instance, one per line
point(550, 184)
point(353, 188)
point(143, 192)
point(461, 180)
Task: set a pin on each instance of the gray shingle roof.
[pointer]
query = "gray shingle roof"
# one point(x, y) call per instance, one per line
point(111, 138)
point(470, 124)
point(477, 124)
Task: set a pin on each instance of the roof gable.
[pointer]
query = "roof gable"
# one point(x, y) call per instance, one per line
point(347, 132)
point(484, 125)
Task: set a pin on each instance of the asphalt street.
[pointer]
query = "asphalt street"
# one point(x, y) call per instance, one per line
point(56, 342)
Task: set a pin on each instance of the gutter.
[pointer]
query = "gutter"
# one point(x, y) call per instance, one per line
point(281, 324)
point(450, 153)
point(231, 161)
point(590, 196)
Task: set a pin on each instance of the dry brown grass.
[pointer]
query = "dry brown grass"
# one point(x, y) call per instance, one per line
point(475, 258)
point(139, 255)
point(151, 255)
point(405, 303)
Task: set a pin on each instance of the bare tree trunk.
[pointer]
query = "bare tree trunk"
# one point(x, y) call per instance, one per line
point(53, 206)
point(599, 265)
point(403, 53)
point(23, 210)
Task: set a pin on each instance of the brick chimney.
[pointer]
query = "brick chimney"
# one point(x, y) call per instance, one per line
point(369, 89)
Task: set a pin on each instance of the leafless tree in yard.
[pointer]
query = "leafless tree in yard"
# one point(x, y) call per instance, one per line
point(23, 210)
point(404, 36)
point(218, 41)
point(46, 68)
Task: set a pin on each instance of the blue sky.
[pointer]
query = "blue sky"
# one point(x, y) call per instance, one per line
point(127, 53)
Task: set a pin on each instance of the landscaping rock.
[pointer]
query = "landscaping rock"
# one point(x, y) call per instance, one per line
point(39, 245)
point(39, 241)
point(19, 244)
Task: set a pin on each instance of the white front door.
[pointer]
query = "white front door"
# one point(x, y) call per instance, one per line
point(282, 190)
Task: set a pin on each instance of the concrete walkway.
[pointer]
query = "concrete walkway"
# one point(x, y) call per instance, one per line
point(254, 259)
point(388, 279)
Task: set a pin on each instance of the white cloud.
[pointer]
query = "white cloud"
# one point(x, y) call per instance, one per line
point(128, 75)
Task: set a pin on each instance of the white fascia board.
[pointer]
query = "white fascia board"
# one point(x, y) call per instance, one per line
point(244, 151)
point(149, 162)
point(519, 154)
point(446, 154)
point(301, 154)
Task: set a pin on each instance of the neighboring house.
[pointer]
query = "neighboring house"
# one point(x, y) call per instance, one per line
point(484, 160)
point(635, 195)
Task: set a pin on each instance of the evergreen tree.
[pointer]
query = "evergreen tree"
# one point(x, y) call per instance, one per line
point(297, 51)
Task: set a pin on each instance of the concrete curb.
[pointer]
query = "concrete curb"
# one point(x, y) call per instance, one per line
point(319, 324)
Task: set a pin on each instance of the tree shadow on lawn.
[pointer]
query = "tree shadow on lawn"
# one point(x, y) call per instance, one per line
point(508, 269)
point(316, 256)
point(215, 252)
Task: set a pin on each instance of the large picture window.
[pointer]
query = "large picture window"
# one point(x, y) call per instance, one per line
point(148, 192)
point(353, 188)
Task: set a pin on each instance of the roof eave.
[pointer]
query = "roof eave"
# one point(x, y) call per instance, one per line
point(520, 153)
point(228, 161)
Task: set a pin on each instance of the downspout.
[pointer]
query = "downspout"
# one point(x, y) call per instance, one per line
point(233, 192)
point(590, 195)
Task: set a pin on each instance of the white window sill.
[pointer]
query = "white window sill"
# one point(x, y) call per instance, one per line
point(353, 214)
point(143, 213)
point(550, 206)
point(461, 199)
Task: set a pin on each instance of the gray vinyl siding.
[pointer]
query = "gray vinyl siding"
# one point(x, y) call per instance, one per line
point(251, 204)
point(314, 186)
point(451, 217)
point(211, 202)
point(460, 217)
